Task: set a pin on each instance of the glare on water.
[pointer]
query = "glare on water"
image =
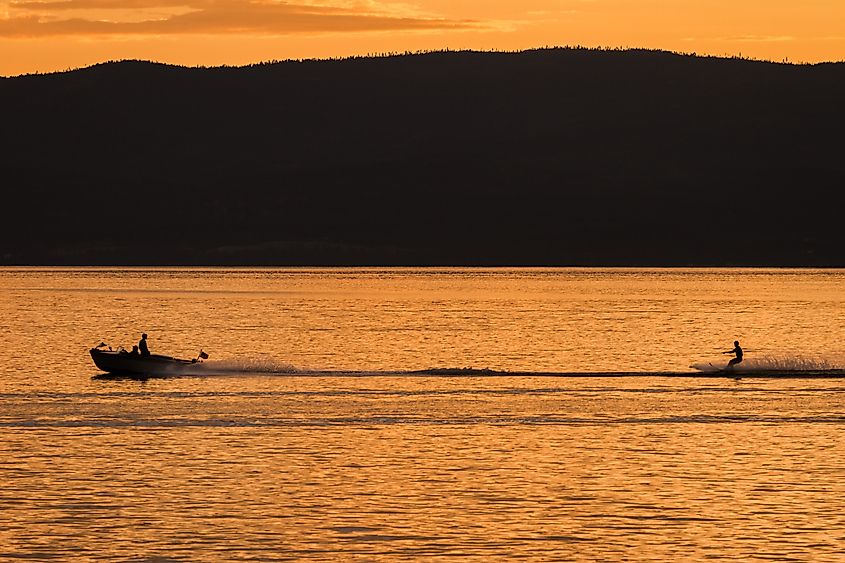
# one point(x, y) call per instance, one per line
point(321, 443)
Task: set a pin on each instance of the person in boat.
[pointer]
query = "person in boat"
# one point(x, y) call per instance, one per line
point(738, 352)
point(142, 345)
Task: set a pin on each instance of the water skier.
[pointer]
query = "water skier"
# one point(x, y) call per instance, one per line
point(738, 352)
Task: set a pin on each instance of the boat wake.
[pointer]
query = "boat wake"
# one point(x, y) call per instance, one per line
point(776, 364)
point(237, 366)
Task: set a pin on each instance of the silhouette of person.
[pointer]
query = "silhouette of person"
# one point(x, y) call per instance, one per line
point(134, 351)
point(142, 345)
point(738, 351)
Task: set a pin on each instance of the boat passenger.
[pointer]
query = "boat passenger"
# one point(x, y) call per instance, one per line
point(134, 351)
point(142, 345)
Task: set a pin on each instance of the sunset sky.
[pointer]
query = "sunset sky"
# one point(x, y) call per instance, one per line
point(48, 35)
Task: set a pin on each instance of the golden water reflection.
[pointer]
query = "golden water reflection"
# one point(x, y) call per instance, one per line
point(556, 320)
point(385, 468)
point(259, 466)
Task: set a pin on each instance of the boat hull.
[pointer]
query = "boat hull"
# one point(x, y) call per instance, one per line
point(124, 363)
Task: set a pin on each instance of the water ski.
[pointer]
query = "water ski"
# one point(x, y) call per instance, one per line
point(725, 371)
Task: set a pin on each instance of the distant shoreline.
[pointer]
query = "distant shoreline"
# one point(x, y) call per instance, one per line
point(390, 54)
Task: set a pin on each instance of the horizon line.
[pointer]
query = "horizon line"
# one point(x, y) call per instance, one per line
point(420, 52)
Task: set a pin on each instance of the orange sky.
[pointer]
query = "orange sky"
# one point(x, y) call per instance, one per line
point(52, 35)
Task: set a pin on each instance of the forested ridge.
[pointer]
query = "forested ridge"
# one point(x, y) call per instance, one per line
point(546, 157)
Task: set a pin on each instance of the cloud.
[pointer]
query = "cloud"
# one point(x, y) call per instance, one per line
point(179, 17)
point(65, 5)
point(758, 38)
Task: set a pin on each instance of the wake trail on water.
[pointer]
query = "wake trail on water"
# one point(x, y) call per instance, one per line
point(269, 366)
point(796, 366)
point(244, 366)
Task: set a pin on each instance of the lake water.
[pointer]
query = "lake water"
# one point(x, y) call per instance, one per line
point(317, 432)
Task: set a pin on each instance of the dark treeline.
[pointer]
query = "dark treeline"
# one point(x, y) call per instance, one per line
point(559, 157)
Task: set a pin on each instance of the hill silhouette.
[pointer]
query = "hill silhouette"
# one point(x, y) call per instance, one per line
point(547, 157)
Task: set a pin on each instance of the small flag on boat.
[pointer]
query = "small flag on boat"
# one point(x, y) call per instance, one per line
point(203, 355)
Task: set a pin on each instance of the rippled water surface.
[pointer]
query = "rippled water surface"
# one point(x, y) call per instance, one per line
point(314, 434)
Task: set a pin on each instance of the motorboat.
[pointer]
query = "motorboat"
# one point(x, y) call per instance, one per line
point(121, 362)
